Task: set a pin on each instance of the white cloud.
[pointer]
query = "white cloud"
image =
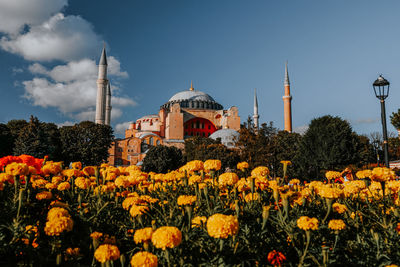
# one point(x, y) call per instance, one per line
point(121, 127)
point(66, 123)
point(59, 38)
point(114, 67)
point(71, 88)
point(16, 70)
point(14, 14)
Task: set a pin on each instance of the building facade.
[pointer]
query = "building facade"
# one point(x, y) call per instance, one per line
point(186, 114)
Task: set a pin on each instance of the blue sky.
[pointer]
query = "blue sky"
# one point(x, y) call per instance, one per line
point(335, 50)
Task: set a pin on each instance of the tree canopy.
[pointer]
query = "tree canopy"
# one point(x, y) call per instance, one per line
point(162, 159)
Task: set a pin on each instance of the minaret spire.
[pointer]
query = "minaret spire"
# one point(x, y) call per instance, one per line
point(191, 86)
point(108, 105)
point(287, 102)
point(255, 114)
point(101, 88)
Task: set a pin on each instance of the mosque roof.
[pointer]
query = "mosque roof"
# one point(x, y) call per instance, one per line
point(228, 137)
point(193, 99)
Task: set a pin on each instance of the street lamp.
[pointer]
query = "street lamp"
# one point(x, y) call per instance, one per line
point(381, 88)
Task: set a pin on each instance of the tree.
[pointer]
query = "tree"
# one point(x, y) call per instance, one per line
point(162, 159)
point(328, 144)
point(38, 139)
point(87, 142)
point(203, 148)
point(257, 148)
point(15, 127)
point(395, 120)
point(6, 141)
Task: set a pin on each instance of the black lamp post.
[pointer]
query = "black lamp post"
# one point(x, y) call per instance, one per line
point(381, 88)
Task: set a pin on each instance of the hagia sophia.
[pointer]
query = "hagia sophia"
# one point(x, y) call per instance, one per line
point(186, 114)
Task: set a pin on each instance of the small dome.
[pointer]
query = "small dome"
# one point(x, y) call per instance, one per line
point(229, 137)
point(193, 99)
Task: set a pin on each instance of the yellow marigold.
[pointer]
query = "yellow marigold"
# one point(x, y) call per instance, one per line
point(83, 183)
point(89, 171)
point(96, 235)
point(4, 177)
point(243, 185)
point(260, 171)
point(251, 197)
point(106, 253)
point(44, 195)
point(57, 179)
point(307, 223)
point(122, 181)
point(72, 253)
point(144, 259)
point(194, 179)
point(56, 226)
point(195, 165)
point(136, 210)
point(332, 175)
point(71, 172)
point(222, 226)
point(228, 178)
point(212, 165)
point(286, 162)
point(15, 168)
point(143, 235)
point(51, 168)
point(339, 208)
point(198, 221)
point(382, 174)
point(130, 201)
point(242, 165)
point(166, 237)
point(50, 186)
point(148, 199)
point(294, 181)
point(360, 175)
point(330, 192)
point(63, 186)
point(336, 225)
point(57, 212)
point(39, 183)
point(186, 200)
point(76, 165)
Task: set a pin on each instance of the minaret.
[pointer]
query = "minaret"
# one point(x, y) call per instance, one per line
point(287, 102)
point(191, 86)
point(255, 115)
point(108, 105)
point(101, 88)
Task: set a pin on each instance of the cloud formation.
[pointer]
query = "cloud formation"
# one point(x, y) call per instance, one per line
point(39, 32)
point(14, 15)
point(121, 127)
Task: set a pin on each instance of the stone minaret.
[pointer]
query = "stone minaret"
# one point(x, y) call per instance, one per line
point(101, 88)
point(287, 102)
point(108, 105)
point(255, 115)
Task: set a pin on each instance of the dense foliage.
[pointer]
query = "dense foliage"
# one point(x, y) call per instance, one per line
point(194, 216)
point(162, 159)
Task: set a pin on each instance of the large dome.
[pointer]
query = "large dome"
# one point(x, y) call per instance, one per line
point(228, 137)
point(193, 99)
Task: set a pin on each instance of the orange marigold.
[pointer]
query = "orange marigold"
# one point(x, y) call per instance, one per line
point(339, 208)
point(106, 252)
point(63, 186)
point(15, 168)
point(144, 259)
point(212, 165)
point(242, 165)
point(336, 225)
point(143, 235)
point(222, 226)
point(166, 237)
point(44, 195)
point(307, 223)
point(260, 171)
point(186, 200)
point(228, 178)
point(136, 210)
point(199, 221)
point(382, 174)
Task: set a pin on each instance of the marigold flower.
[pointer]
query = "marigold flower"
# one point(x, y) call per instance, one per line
point(72, 253)
point(186, 200)
point(106, 252)
point(44, 195)
point(332, 175)
point(336, 225)
point(382, 174)
point(63, 186)
point(194, 165)
point(15, 168)
point(96, 235)
point(276, 258)
point(339, 208)
point(199, 221)
point(51, 168)
point(194, 179)
point(136, 210)
point(143, 235)
point(144, 259)
point(260, 171)
point(50, 186)
point(166, 237)
point(83, 183)
point(76, 165)
point(89, 171)
point(122, 181)
point(55, 227)
point(227, 179)
point(222, 226)
point(307, 223)
point(251, 197)
point(242, 165)
point(71, 172)
point(130, 201)
point(212, 165)
point(330, 192)
point(4, 177)
point(294, 181)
